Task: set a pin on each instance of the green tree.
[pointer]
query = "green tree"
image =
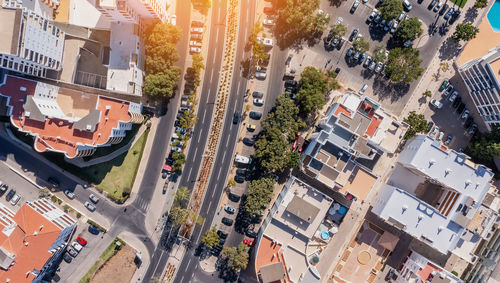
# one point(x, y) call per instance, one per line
point(485, 146)
point(360, 44)
point(314, 85)
point(299, 19)
point(179, 216)
point(481, 4)
point(319, 23)
point(379, 54)
point(162, 84)
point(43, 193)
point(237, 257)
point(260, 192)
point(403, 65)
point(464, 31)
point(338, 30)
point(409, 29)
point(417, 124)
point(427, 93)
point(210, 238)
point(391, 9)
point(182, 195)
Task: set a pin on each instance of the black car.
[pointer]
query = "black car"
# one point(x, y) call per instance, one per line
point(94, 230)
point(468, 122)
point(251, 233)
point(341, 43)
point(457, 101)
point(430, 125)
point(236, 117)
point(227, 221)
point(291, 83)
point(221, 234)
point(448, 15)
point(54, 182)
point(255, 115)
point(443, 10)
point(67, 258)
point(10, 194)
point(218, 247)
point(454, 17)
point(241, 172)
point(337, 71)
point(221, 241)
point(353, 34)
point(257, 94)
point(3, 189)
point(189, 76)
point(248, 141)
point(239, 179)
point(72, 252)
point(215, 252)
point(233, 197)
point(460, 108)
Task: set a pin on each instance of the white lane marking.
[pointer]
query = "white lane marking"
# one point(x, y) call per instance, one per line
point(213, 193)
point(218, 175)
point(204, 114)
point(216, 41)
point(199, 137)
point(159, 260)
point(195, 151)
point(189, 174)
point(189, 261)
point(199, 235)
point(209, 205)
point(224, 156)
point(227, 142)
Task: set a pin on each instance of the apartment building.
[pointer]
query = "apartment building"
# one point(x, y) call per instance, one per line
point(434, 194)
point(353, 136)
point(417, 268)
point(63, 120)
point(31, 43)
point(479, 67)
point(133, 11)
point(32, 240)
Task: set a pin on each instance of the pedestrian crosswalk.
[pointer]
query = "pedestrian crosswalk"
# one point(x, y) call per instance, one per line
point(141, 204)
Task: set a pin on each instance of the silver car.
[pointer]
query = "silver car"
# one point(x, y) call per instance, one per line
point(379, 67)
point(89, 206)
point(372, 65)
point(93, 198)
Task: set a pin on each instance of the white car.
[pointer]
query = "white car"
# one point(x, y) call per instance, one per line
point(363, 89)
point(339, 20)
point(93, 198)
point(436, 104)
point(89, 206)
point(194, 49)
point(465, 115)
point(258, 101)
point(434, 131)
point(394, 27)
point(197, 30)
point(260, 75)
point(453, 96)
point(76, 246)
point(229, 209)
point(441, 135)
point(15, 199)
point(268, 22)
point(266, 41)
point(195, 43)
point(242, 159)
point(69, 194)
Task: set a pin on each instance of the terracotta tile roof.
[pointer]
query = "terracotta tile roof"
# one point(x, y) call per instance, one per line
point(29, 242)
point(269, 253)
point(425, 273)
point(57, 134)
point(372, 128)
point(342, 109)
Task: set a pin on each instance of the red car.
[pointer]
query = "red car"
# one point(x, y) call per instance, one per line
point(249, 242)
point(81, 241)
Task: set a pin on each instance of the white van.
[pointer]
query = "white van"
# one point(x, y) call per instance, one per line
point(242, 159)
point(407, 5)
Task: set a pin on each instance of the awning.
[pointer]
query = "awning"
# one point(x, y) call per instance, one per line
point(388, 241)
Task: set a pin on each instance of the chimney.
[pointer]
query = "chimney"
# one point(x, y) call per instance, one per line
point(26, 243)
point(35, 233)
point(41, 227)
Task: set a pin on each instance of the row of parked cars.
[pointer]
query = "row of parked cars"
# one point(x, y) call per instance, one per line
point(196, 36)
point(11, 196)
point(450, 14)
point(75, 248)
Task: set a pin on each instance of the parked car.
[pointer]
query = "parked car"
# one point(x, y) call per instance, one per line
point(390, 274)
point(431, 5)
point(443, 85)
point(379, 67)
point(258, 102)
point(465, 114)
point(196, 36)
point(54, 182)
point(249, 242)
point(268, 10)
point(401, 16)
point(76, 246)
point(226, 221)
point(443, 10)
point(94, 230)
point(222, 235)
point(388, 25)
point(67, 258)
point(239, 179)
point(372, 65)
point(454, 17)
point(236, 117)
point(196, 30)
point(195, 43)
point(453, 96)
point(255, 115)
point(248, 141)
point(257, 94)
point(468, 122)
point(450, 12)
point(473, 129)
point(268, 22)
point(448, 139)
point(438, 6)
point(81, 241)
point(10, 194)
point(194, 50)
point(430, 124)
point(363, 89)
point(440, 136)
point(353, 34)
point(341, 43)
point(368, 61)
point(69, 194)
point(372, 16)
point(72, 252)
point(394, 27)
point(233, 197)
point(229, 209)
point(460, 108)
point(93, 198)
point(434, 131)
point(407, 5)
point(436, 104)
point(349, 51)
point(15, 199)
point(251, 233)
point(377, 19)
point(354, 6)
point(89, 206)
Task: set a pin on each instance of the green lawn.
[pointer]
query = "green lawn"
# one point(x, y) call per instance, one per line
point(105, 256)
point(460, 3)
point(105, 150)
point(113, 176)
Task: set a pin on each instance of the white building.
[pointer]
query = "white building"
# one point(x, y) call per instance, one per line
point(433, 193)
point(418, 269)
point(30, 44)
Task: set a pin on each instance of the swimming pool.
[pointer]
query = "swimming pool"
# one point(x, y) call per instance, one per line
point(494, 16)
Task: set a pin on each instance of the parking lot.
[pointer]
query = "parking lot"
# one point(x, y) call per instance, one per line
point(26, 190)
point(392, 96)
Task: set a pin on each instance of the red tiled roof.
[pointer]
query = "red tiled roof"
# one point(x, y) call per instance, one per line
point(342, 109)
point(372, 128)
point(35, 253)
point(268, 253)
point(56, 134)
point(425, 273)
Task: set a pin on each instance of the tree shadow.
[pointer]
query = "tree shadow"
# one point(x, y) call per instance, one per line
point(422, 100)
point(245, 68)
point(376, 33)
point(336, 3)
point(226, 273)
point(471, 15)
point(449, 50)
point(386, 89)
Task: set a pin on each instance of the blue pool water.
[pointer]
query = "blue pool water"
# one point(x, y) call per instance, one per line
point(494, 16)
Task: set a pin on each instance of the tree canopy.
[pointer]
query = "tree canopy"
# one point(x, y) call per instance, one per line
point(409, 29)
point(260, 192)
point(403, 65)
point(379, 54)
point(391, 9)
point(210, 238)
point(161, 54)
point(299, 20)
point(338, 30)
point(481, 3)
point(237, 257)
point(464, 31)
point(417, 124)
point(314, 87)
point(360, 44)
point(485, 146)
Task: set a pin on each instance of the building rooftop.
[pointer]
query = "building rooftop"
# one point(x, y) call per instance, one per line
point(272, 272)
point(417, 268)
point(64, 119)
point(359, 184)
point(29, 238)
point(9, 30)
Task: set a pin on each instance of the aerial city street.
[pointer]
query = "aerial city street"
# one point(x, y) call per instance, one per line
point(253, 141)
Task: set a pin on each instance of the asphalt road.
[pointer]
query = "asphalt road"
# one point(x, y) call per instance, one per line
point(205, 112)
point(189, 270)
